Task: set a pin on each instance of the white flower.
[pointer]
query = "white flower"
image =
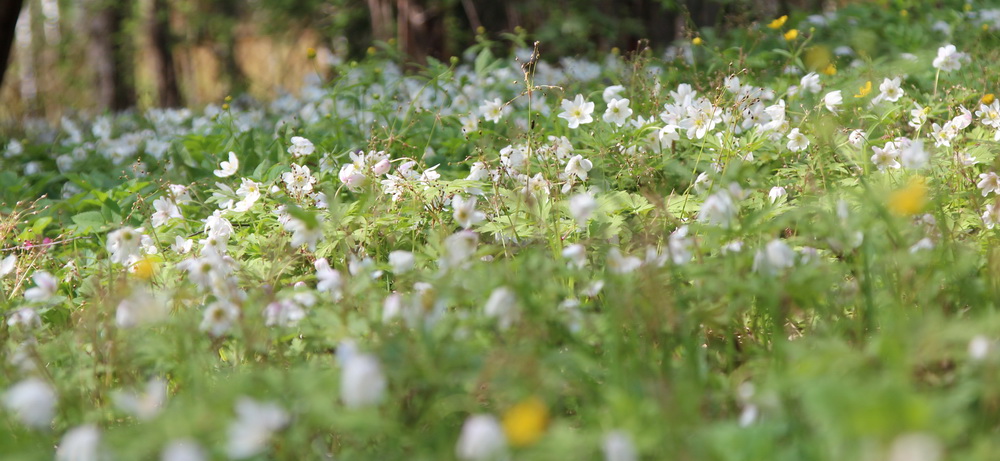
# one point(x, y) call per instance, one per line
point(305, 233)
point(286, 313)
point(810, 83)
point(918, 115)
point(45, 287)
point(679, 245)
point(979, 347)
point(621, 264)
point(401, 261)
point(33, 401)
point(298, 181)
point(470, 123)
point(255, 424)
point(492, 110)
point(890, 90)
point(581, 207)
point(989, 182)
point(776, 192)
point(914, 156)
point(992, 215)
point(612, 92)
point(8, 265)
point(482, 439)
point(885, 157)
point(915, 447)
point(576, 254)
point(579, 166)
point(458, 248)
point(775, 257)
point(618, 446)
point(857, 138)
point(719, 209)
point(250, 192)
point(227, 169)
point(618, 112)
point(182, 245)
point(797, 141)
point(301, 147)
point(949, 58)
point(139, 308)
point(80, 444)
point(833, 100)
point(990, 115)
point(502, 305)
point(124, 244)
point(577, 112)
point(219, 318)
point(24, 318)
point(165, 210)
point(361, 381)
point(145, 405)
point(329, 280)
point(183, 450)
point(465, 212)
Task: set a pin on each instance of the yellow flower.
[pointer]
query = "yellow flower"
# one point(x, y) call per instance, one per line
point(904, 13)
point(777, 23)
point(525, 422)
point(697, 41)
point(909, 200)
point(144, 268)
point(988, 98)
point(311, 53)
point(792, 35)
point(864, 90)
point(830, 69)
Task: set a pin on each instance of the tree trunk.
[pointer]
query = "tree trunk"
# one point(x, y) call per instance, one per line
point(109, 56)
point(9, 11)
point(166, 75)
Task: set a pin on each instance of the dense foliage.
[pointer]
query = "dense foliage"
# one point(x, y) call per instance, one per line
point(778, 244)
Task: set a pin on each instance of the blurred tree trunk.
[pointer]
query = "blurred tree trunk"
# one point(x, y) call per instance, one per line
point(226, 47)
point(162, 41)
point(9, 11)
point(108, 54)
